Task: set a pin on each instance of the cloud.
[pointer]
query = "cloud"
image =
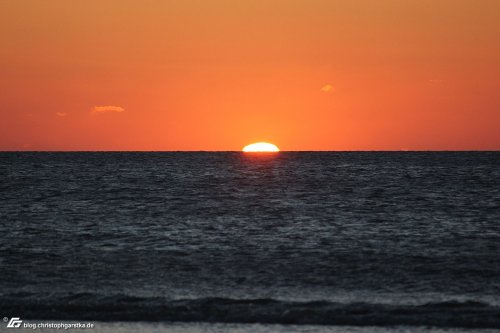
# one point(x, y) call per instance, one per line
point(435, 81)
point(61, 114)
point(327, 88)
point(107, 108)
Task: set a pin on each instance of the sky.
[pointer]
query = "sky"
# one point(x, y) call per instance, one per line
point(218, 75)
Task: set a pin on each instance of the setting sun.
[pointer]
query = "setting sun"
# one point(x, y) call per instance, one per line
point(261, 147)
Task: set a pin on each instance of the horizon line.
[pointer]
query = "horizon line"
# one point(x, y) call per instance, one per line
point(240, 151)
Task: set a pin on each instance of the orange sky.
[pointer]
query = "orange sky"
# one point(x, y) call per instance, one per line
point(217, 75)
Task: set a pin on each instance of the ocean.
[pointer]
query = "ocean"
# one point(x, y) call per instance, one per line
point(293, 241)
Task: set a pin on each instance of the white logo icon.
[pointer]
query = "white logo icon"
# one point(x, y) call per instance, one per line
point(14, 322)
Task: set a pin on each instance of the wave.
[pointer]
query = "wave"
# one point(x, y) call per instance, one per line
point(86, 306)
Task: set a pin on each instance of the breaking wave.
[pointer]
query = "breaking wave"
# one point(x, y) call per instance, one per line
point(86, 306)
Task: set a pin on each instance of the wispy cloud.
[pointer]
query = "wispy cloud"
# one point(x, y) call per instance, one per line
point(61, 114)
point(107, 108)
point(327, 88)
point(435, 81)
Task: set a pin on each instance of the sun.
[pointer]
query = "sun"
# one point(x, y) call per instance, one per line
point(261, 147)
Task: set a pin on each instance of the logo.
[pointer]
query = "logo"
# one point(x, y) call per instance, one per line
point(14, 322)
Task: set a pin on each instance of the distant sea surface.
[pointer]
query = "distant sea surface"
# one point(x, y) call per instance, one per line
point(296, 238)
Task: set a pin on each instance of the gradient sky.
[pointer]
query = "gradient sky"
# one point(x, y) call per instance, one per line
point(217, 75)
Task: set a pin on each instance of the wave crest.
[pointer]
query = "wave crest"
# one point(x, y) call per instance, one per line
point(87, 306)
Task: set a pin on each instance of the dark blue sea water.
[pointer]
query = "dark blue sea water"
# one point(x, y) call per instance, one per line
point(361, 238)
